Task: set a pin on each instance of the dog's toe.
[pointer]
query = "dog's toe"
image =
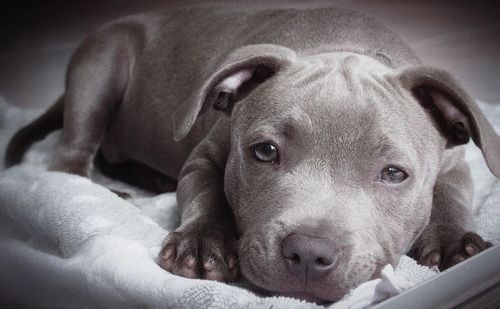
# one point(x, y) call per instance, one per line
point(186, 267)
point(473, 243)
point(469, 245)
point(167, 258)
point(219, 269)
point(432, 260)
point(213, 271)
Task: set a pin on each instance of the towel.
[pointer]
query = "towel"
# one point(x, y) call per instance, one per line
point(67, 241)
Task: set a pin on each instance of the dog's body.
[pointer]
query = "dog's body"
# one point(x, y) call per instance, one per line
point(329, 152)
point(185, 47)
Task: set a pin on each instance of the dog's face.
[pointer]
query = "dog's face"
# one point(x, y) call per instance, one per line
point(330, 153)
point(332, 162)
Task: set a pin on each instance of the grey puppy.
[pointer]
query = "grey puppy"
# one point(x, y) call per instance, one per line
point(310, 146)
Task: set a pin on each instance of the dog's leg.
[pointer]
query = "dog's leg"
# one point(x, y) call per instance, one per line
point(204, 245)
point(448, 238)
point(136, 174)
point(96, 80)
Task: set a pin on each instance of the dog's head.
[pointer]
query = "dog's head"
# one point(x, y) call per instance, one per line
point(333, 158)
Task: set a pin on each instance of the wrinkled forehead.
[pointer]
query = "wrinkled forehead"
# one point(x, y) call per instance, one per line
point(325, 82)
point(347, 100)
point(343, 86)
point(340, 68)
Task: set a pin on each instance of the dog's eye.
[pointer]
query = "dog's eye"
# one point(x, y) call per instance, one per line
point(265, 152)
point(393, 174)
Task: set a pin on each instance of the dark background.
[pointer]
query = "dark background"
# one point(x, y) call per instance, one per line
point(38, 37)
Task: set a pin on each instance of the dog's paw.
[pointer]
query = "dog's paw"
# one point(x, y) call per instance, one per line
point(201, 251)
point(446, 247)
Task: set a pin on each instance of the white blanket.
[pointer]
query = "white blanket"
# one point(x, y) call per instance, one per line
point(66, 241)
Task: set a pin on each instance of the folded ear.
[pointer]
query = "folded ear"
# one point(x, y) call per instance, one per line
point(242, 71)
point(456, 114)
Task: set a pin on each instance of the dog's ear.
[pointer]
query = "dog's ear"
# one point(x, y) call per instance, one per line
point(242, 71)
point(456, 114)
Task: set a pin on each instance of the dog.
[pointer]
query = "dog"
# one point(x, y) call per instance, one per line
point(308, 147)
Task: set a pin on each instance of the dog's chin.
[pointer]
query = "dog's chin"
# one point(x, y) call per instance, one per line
point(300, 295)
point(303, 295)
point(307, 297)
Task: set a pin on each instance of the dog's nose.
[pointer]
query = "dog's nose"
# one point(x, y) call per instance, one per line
point(311, 256)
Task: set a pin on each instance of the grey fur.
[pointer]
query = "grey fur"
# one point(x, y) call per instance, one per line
point(342, 97)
